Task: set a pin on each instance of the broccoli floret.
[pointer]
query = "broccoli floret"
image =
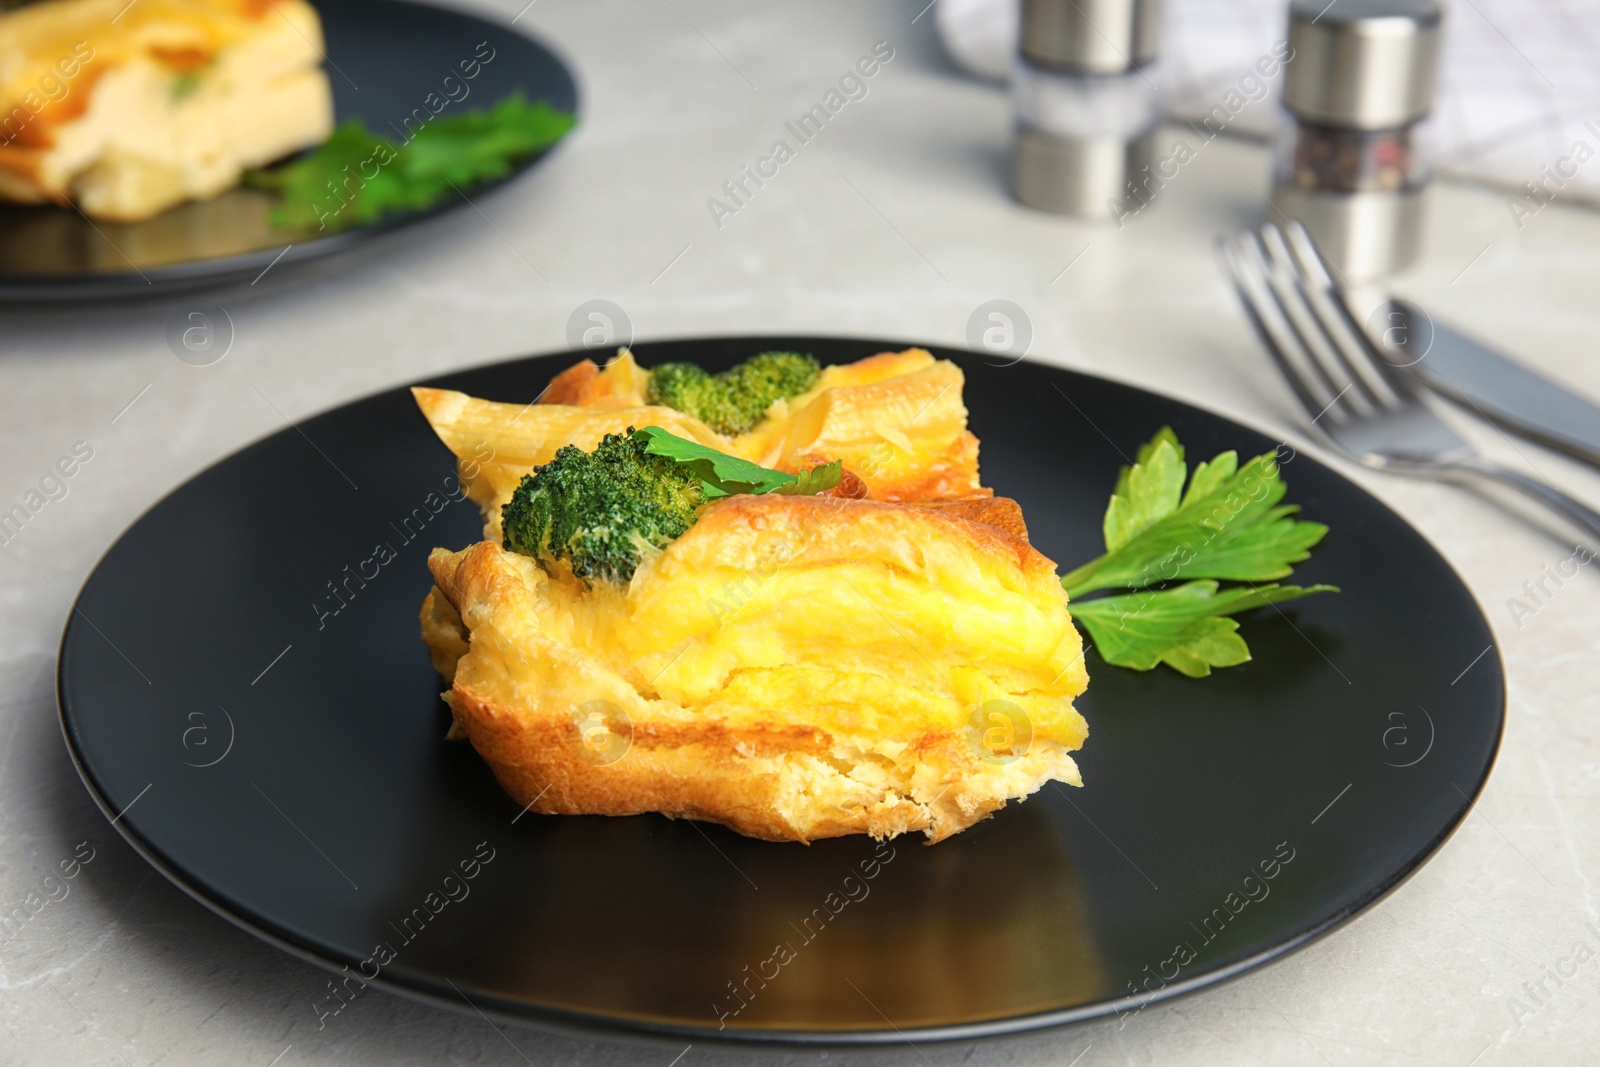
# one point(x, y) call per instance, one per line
point(735, 400)
point(601, 510)
point(691, 390)
point(772, 376)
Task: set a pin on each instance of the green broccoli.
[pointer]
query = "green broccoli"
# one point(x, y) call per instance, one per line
point(601, 511)
point(735, 400)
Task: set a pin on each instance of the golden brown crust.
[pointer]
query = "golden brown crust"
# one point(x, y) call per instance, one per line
point(1000, 511)
point(621, 384)
point(571, 385)
point(740, 520)
point(897, 419)
point(443, 632)
point(706, 772)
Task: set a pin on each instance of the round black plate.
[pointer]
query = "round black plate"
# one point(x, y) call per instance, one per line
point(284, 764)
point(385, 57)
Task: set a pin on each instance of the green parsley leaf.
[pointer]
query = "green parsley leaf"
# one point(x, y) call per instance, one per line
point(1147, 491)
point(349, 180)
point(1228, 523)
point(480, 146)
point(720, 474)
point(357, 177)
point(814, 480)
point(724, 475)
point(1184, 627)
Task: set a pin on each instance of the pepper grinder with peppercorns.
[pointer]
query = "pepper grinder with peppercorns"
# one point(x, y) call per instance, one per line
point(1349, 163)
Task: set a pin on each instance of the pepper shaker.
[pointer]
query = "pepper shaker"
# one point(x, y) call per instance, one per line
point(1087, 105)
point(1350, 154)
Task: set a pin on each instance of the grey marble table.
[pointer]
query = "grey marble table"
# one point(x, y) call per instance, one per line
point(894, 221)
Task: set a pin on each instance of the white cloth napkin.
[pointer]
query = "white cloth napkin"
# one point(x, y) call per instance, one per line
point(1519, 84)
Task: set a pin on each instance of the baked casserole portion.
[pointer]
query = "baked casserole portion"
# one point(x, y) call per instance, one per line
point(126, 109)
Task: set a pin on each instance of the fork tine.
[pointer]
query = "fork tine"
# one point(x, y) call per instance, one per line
point(1289, 301)
point(1317, 267)
point(1328, 324)
point(1246, 283)
point(1317, 271)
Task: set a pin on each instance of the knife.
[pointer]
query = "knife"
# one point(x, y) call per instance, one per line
point(1490, 384)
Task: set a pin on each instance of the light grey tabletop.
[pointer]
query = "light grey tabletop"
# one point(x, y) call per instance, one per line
point(893, 222)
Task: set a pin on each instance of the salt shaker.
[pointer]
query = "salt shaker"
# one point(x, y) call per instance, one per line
point(1087, 106)
point(1350, 153)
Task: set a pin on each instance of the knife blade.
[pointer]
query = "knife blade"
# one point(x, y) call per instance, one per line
point(1490, 384)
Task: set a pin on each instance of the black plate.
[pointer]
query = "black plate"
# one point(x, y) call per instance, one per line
point(331, 808)
point(384, 59)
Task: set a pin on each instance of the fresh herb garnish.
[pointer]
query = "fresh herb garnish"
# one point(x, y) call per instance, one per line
point(1184, 627)
point(724, 475)
point(357, 177)
point(813, 481)
point(1228, 524)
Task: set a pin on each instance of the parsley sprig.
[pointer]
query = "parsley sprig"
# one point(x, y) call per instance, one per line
point(1185, 627)
point(724, 475)
point(1227, 524)
point(357, 177)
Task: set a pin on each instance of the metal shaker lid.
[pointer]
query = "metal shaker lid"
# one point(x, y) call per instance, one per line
point(1090, 36)
point(1363, 64)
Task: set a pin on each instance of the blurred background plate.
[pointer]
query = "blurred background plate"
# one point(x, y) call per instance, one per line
point(384, 58)
point(286, 765)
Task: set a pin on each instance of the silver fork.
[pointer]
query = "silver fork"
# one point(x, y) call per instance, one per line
point(1357, 400)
